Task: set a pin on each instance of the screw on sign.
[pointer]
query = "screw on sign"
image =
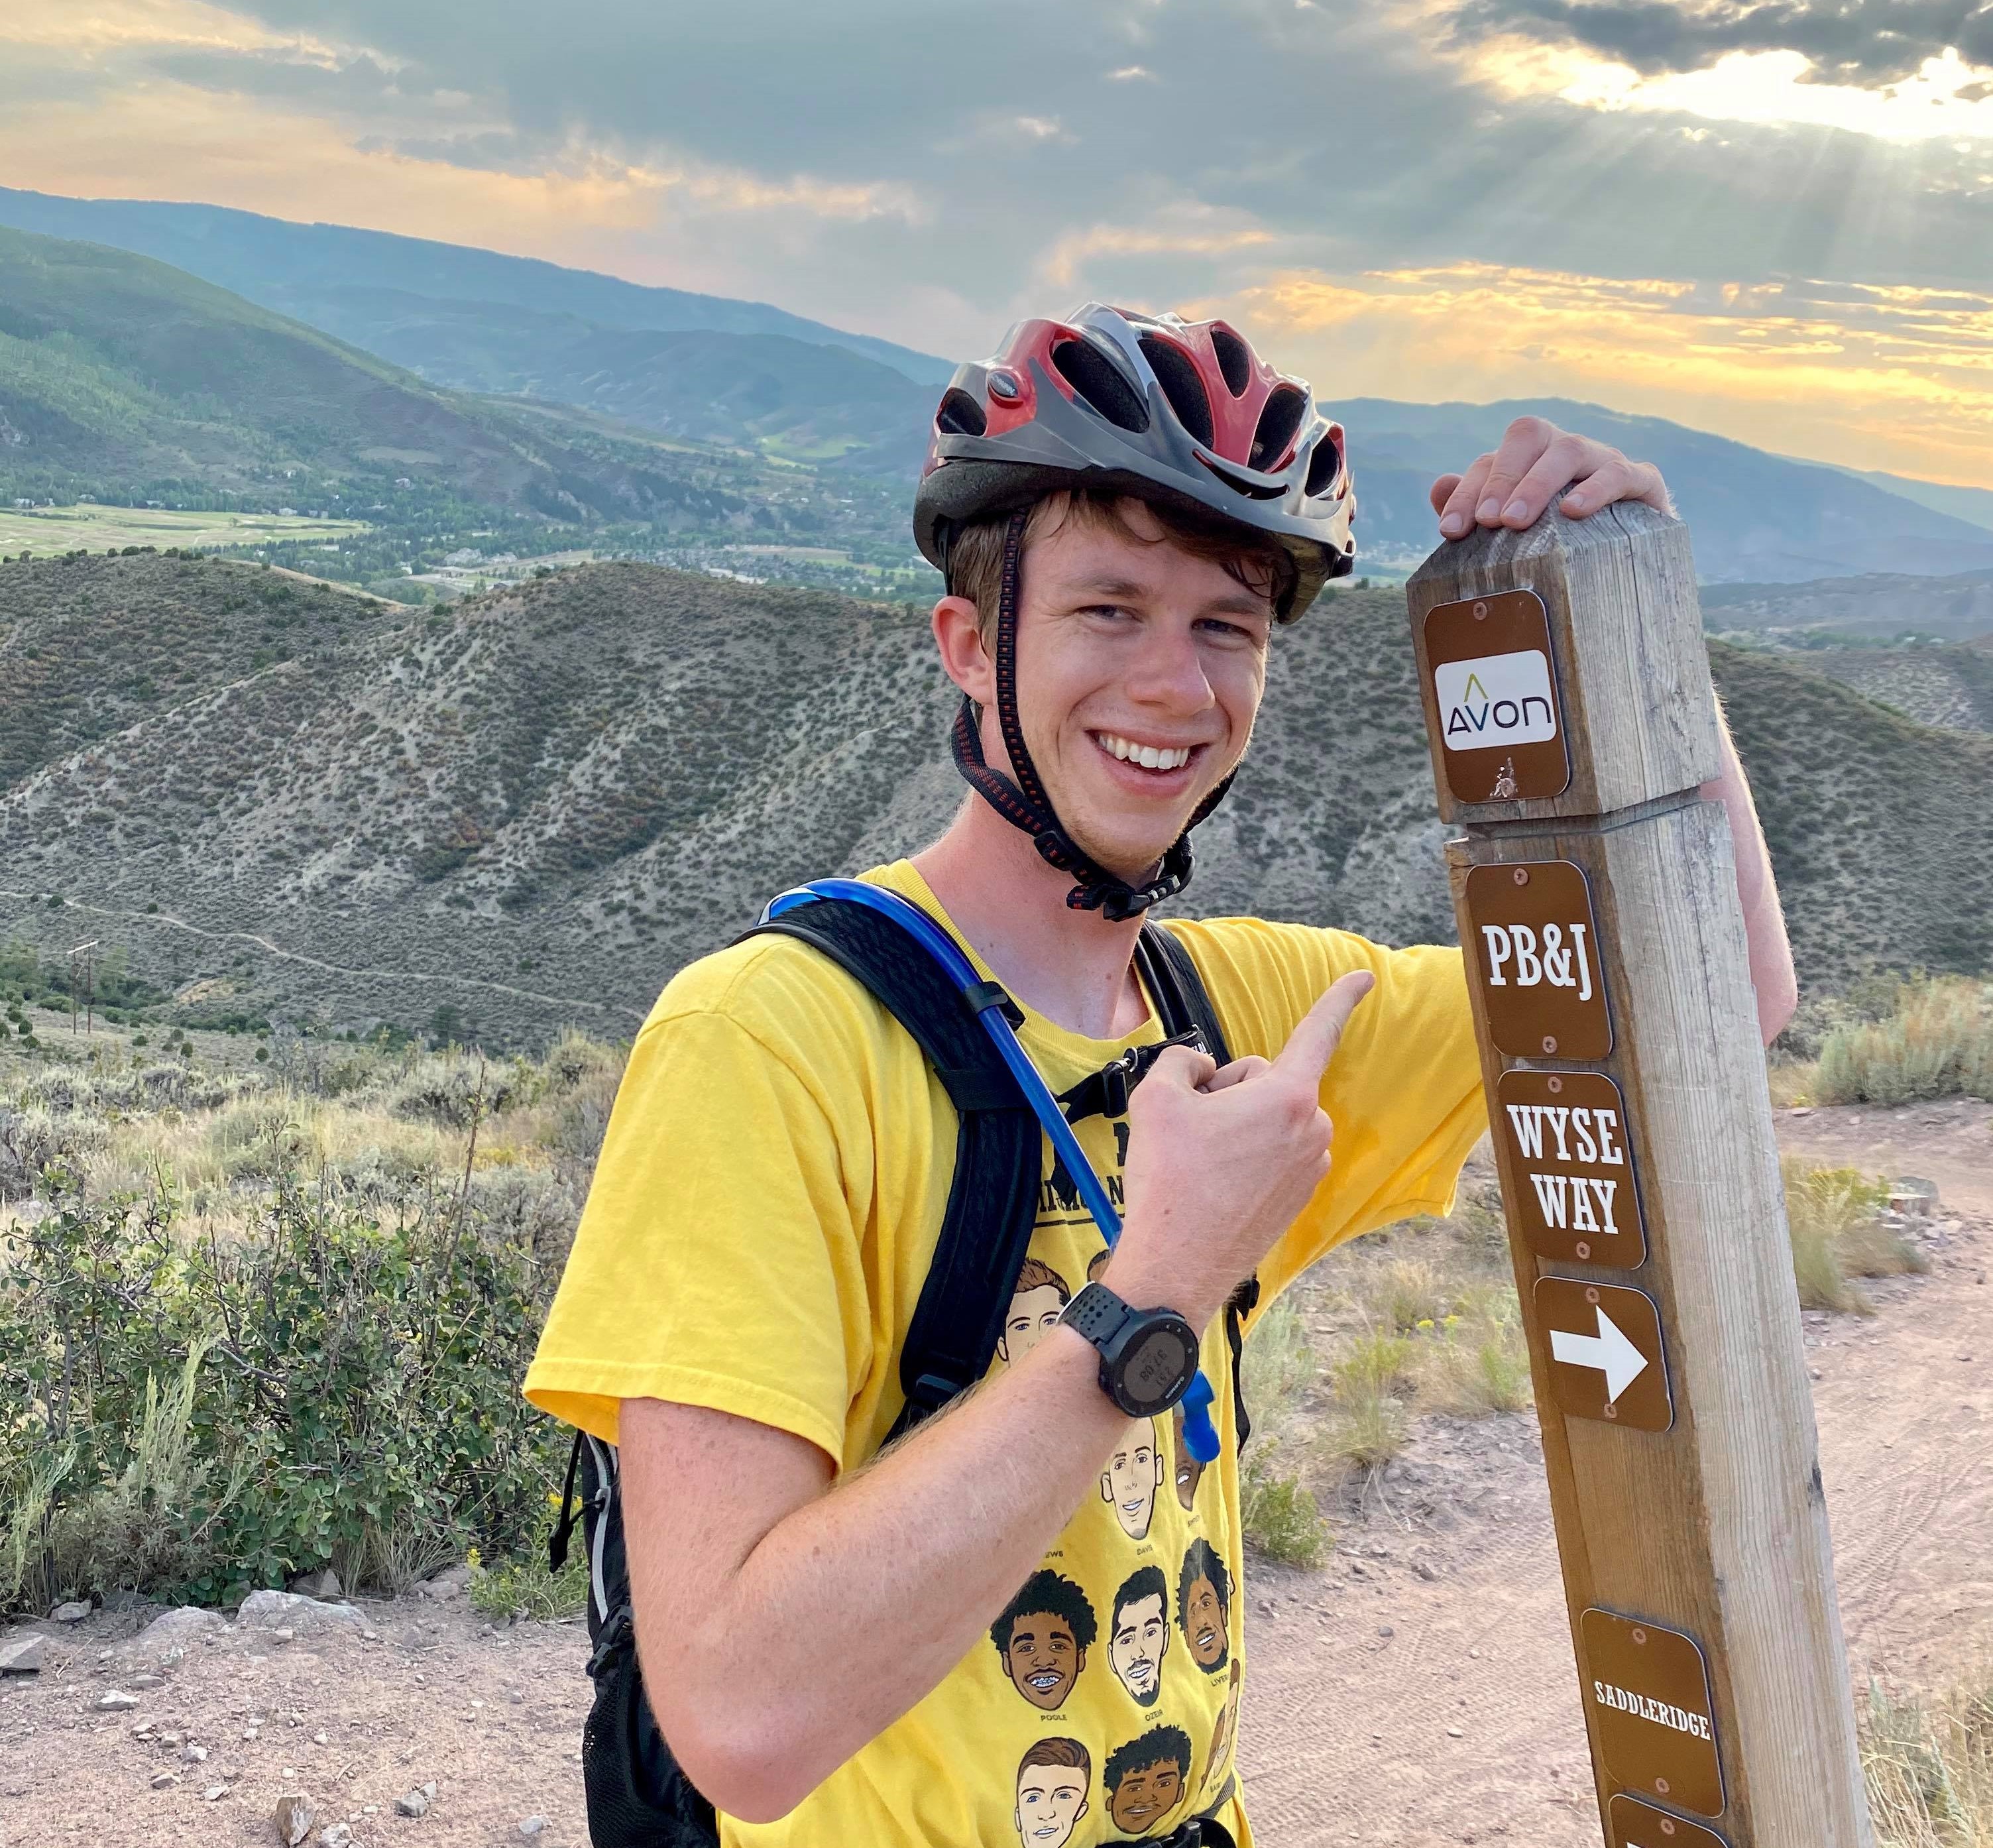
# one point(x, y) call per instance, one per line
point(1573, 1193)
point(1607, 1358)
point(1494, 698)
point(1535, 960)
point(1638, 1825)
point(1647, 1692)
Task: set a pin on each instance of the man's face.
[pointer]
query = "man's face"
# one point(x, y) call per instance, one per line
point(1125, 646)
point(1032, 1313)
point(1050, 1799)
point(1204, 1624)
point(1145, 1794)
point(1043, 1661)
point(1128, 1483)
point(1140, 1641)
point(1189, 1470)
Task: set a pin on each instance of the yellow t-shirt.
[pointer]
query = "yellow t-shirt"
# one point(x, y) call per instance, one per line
point(762, 1219)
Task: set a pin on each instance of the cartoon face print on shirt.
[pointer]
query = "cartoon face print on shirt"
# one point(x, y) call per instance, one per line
point(1128, 1484)
point(1052, 1781)
point(1203, 1603)
point(1139, 1636)
point(1221, 1734)
point(1042, 1638)
point(1190, 1472)
point(1145, 1779)
point(1036, 1300)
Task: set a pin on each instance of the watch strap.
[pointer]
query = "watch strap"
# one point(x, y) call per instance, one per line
point(1097, 1313)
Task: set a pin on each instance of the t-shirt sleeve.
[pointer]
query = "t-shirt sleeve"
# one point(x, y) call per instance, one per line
point(1404, 1090)
point(718, 1260)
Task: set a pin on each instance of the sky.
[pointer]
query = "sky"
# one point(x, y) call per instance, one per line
point(1769, 218)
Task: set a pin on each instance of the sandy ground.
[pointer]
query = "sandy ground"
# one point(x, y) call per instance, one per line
point(1418, 1690)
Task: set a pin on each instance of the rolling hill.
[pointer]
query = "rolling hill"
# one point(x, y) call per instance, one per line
point(323, 274)
point(1756, 516)
point(747, 374)
point(537, 806)
point(121, 378)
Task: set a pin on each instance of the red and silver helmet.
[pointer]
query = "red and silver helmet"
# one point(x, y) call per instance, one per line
point(1179, 412)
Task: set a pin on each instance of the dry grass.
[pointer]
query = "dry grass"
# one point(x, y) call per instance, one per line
point(1938, 1042)
point(1840, 1233)
point(1418, 1318)
point(1929, 1768)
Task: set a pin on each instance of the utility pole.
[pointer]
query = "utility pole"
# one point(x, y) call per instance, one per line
point(1571, 719)
point(88, 953)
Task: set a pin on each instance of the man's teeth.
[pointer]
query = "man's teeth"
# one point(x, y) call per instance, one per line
point(1148, 756)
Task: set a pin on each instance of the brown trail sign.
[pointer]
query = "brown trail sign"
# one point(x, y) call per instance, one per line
point(1571, 719)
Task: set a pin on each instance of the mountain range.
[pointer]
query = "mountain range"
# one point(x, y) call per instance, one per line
point(284, 799)
point(649, 362)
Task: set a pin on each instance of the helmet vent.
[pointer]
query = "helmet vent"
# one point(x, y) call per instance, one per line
point(1235, 359)
point(1099, 382)
point(1178, 376)
point(1278, 421)
point(1253, 490)
point(1323, 466)
point(960, 415)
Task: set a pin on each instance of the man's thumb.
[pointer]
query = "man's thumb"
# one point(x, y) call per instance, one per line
point(1312, 1044)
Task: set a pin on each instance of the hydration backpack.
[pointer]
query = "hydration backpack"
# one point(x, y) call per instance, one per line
point(638, 1796)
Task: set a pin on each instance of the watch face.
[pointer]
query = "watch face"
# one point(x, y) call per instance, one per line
point(1157, 1365)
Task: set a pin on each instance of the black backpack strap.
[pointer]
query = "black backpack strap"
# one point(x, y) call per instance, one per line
point(1177, 989)
point(985, 1232)
point(1182, 1000)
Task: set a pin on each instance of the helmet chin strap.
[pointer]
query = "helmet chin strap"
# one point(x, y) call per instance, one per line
point(1024, 804)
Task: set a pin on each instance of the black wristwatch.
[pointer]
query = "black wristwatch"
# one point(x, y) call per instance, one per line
point(1148, 1357)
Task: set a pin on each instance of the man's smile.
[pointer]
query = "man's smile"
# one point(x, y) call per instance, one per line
point(1043, 1680)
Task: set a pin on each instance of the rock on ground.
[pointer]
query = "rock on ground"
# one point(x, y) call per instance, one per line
point(178, 1628)
point(70, 1614)
point(293, 1818)
point(323, 1584)
point(289, 1610)
point(23, 1654)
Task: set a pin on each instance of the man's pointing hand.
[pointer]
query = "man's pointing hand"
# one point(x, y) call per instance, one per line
point(1221, 1159)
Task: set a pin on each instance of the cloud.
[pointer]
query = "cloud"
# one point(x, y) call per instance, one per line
point(897, 168)
point(1865, 43)
point(1896, 378)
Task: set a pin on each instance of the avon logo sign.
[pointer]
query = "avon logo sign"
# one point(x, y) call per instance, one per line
point(1495, 700)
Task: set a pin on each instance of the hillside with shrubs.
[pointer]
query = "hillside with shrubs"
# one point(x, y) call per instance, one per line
point(278, 802)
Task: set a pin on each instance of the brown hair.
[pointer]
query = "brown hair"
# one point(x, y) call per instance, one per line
point(1034, 1274)
point(975, 553)
point(1069, 1754)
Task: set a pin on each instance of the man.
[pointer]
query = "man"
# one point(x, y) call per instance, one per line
point(1134, 1472)
point(1126, 508)
point(1145, 1779)
point(1036, 1301)
point(1204, 1604)
point(1138, 1637)
point(1052, 1780)
point(1042, 1636)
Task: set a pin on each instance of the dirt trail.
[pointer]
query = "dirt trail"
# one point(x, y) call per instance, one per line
point(1419, 1691)
point(1384, 1708)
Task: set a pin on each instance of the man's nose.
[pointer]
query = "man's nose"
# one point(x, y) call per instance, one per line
point(1169, 673)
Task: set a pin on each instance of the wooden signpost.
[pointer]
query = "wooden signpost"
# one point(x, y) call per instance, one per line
point(1571, 719)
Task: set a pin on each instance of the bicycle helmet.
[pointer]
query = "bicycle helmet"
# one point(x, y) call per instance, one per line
point(1179, 412)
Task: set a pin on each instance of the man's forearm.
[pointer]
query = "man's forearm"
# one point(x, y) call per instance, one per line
point(857, 1603)
point(1772, 973)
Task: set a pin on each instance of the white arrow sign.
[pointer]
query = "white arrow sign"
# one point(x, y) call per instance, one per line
point(1608, 1350)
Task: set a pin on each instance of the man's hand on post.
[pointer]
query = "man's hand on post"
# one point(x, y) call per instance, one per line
point(1513, 486)
point(1221, 1159)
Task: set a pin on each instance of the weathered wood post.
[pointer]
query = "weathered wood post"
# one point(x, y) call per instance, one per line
point(1571, 719)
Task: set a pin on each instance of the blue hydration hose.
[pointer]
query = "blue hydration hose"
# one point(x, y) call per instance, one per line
point(1200, 1437)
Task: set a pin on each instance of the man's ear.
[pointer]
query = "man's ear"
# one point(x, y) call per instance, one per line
point(958, 634)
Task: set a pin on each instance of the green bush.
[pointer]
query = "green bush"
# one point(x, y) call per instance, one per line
point(525, 1588)
point(339, 1388)
point(1278, 1515)
point(1937, 1042)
